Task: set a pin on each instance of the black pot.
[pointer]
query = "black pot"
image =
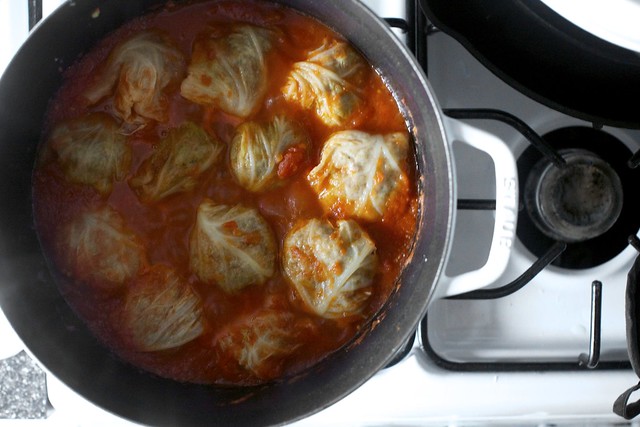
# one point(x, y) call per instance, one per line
point(56, 337)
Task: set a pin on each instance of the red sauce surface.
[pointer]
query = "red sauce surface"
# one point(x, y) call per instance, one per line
point(164, 227)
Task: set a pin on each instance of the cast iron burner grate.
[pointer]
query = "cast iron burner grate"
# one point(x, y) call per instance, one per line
point(620, 161)
point(35, 12)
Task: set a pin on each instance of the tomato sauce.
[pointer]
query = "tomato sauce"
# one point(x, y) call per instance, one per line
point(164, 227)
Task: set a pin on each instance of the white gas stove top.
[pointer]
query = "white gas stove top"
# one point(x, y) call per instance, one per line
point(547, 320)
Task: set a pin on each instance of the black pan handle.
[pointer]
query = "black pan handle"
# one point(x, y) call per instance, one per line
point(625, 409)
point(621, 406)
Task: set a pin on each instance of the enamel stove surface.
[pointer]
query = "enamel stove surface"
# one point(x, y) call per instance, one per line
point(547, 321)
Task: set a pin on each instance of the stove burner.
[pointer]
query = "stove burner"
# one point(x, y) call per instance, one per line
point(576, 202)
point(589, 203)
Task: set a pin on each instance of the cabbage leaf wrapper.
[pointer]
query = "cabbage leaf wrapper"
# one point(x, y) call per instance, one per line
point(98, 248)
point(139, 73)
point(327, 82)
point(231, 246)
point(177, 163)
point(330, 267)
point(161, 311)
point(362, 175)
point(91, 151)
point(230, 72)
point(260, 343)
point(264, 155)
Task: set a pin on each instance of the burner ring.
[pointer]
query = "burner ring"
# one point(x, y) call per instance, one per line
point(608, 242)
point(577, 202)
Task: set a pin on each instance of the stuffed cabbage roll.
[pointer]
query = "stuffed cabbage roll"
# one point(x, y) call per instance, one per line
point(230, 72)
point(231, 246)
point(327, 82)
point(91, 151)
point(177, 162)
point(98, 248)
point(161, 311)
point(263, 155)
point(362, 175)
point(331, 267)
point(138, 74)
point(259, 343)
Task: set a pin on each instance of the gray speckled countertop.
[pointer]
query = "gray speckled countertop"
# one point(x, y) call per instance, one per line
point(23, 389)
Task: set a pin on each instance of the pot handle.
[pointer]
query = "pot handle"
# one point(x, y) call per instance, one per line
point(506, 213)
